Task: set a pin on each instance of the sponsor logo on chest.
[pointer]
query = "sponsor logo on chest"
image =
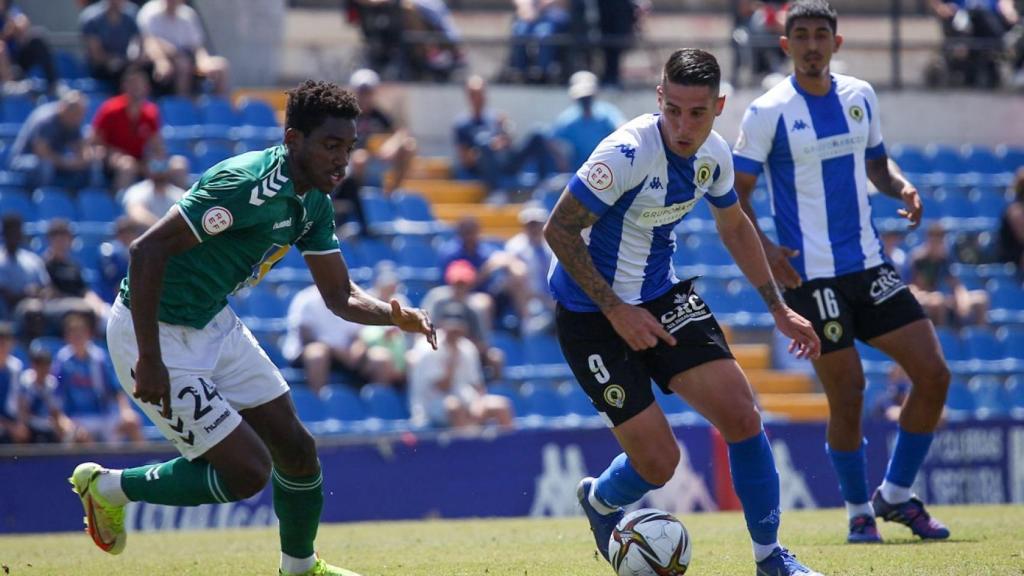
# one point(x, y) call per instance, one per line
point(662, 215)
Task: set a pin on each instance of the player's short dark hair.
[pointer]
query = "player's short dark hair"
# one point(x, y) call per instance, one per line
point(314, 101)
point(807, 9)
point(692, 67)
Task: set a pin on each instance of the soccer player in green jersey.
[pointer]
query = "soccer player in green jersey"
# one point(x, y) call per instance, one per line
point(196, 370)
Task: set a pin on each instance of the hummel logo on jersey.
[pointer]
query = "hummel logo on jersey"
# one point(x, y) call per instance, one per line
point(656, 183)
point(268, 187)
point(799, 125)
point(283, 224)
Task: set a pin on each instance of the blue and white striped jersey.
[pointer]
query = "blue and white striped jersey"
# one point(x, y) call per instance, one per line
point(813, 151)
point(640, 190)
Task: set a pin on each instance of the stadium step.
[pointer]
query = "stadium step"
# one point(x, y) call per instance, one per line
point(779, 382)
point(431, 167)
point(752, 356)
point(806, 407)
point(502, 221)
point(440, 192)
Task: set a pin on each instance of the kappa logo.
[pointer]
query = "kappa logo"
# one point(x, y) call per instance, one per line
point(798, 125)
point(656, 183)
point(268, 187)
point(628, 151)
point(856, 112)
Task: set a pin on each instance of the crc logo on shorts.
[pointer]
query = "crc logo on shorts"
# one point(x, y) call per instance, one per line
point(217, 220)
point(688, 308)
point(833, 331)
point(886, 285)
point(615, 396)
point(600, 176)
point(857, 113)
point(703, 173)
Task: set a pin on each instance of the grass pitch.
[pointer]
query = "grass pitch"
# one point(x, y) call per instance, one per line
point(987, 540)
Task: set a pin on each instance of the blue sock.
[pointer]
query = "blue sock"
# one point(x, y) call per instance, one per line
point(851, 467)
point(757, 484)
point(620, 484)
point(907, 456)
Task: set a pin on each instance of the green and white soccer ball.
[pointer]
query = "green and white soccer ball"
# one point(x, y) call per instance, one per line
point(649, 542)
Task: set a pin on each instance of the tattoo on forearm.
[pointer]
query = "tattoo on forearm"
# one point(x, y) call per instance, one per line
point(770, 294)
point(563, 235)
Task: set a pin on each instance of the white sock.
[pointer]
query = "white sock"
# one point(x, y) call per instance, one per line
point(762, 551)
point(864, 509)
point(109, 486)
point(601, 507)
point(894, 494)
point(291, 565)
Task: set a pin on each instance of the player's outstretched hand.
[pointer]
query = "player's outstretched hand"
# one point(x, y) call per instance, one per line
point(778, 259)
point(638, 327)
point(805, 342)
point(152, 384)
point(914, 209)
point(414, 320)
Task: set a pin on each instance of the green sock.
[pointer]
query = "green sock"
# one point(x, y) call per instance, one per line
point(177, 482)
point(298, 501)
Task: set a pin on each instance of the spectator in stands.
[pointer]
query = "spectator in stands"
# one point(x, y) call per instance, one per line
point(537, 53)
point(583, 125)
point(974, 32)
point(172, 37)
point(620, 22)
point(498, 273)
point(22, 273)
point(91, 396)
point(51, 147)
point(111, 38)
point(433, 56)
point(68, 289)
point(125, 127)
point(38, 400)
point(930, 273)
point(23, 48)
point(1011, 227)
point(385, 346)
point(530, 247)
point(382, 144)
point(320, 342)
point(114, 255)
point(759, 23)
point(147, 201)
point(11, 430)
point(446, 386)
point(487, 151)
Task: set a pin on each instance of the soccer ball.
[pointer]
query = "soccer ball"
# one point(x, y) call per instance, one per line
point(649, 542)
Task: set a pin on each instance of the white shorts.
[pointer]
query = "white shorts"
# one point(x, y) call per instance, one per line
point(214, 373)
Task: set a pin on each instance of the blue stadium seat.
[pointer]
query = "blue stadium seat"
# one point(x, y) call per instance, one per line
point(255, 112)
point(178, 111)
point(414, 207)
point(543, 357)
point(1013, 341)
point(308, 405)
point(379, 212)
point(952, 206)
point(511, 346)
point(911, 159)
point(416, 258)
point(218, 118)
point(575, 400)
point(984, 350)
point(982, 159)
point(1007, 302)
point(959, 401)
point(53, 203)
point(671, 403)
point(210, 152)
point(372, 251)
point(69, 66)
point(952, 347)
point(96, 205)
point(991, 399)
point(292, 259)
point(541, 399)
point(343, 403)
point(946, 159)
point(989, 202)
point(87, 253)
point(384, 402)
point(511, 392)
point(264, 302)
point(873, 359)
point(17, 201)
point(1015, 392)
point(15, 109)
point(1012, 157)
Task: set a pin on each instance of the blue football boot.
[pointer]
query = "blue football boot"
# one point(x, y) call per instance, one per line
point(601, 525)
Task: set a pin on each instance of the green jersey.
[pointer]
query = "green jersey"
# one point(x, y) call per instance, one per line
point(246, 215)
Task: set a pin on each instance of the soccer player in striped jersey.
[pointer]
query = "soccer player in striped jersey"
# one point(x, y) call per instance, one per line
point(196, 370)
point(817, 138)
point(624, 318)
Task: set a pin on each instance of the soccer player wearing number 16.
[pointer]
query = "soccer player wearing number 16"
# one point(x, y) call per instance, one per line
point(196, 370)
point(624, 318)
point(817, 137)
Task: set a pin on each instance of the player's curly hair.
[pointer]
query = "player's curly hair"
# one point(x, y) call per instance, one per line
point(313, 101)
point(811, 9)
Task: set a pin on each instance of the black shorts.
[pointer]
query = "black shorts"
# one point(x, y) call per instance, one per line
point(618, 379)
point(862, 305)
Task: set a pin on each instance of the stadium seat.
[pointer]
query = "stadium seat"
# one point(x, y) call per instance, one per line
point(255, 112)
point(911, 159)
point(946, 159)
point(1015, 392)
point(379, 212)
point(952, 347)
point(511, 392)
point(575, 400)
point(69, 66)
point(984, 350)
point(372, 251)
point(17, 201)
point(54, 203)
point(541, 399)
point(873, 359)
point(308, 405)
point(14, 110)
point(217, 117)
point(264, 302)
point(343, 403)
point(991, 399)
point(211, 152)
point(1012, 157)
point(1013, 342)
point(543, 357)
point(87, 253)
point(384, 402)
point(414, 207)
point(178, 111)
point(953, 207)
point(512, 347)
point(96, 205)
point(959, 401)
point(670, 403)
point(989, 203)
point(1007, 302)
point(983, 160)
point(416, 258)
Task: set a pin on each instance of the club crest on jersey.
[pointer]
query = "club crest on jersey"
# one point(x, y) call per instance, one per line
point(833, 331)
point(217, 220)
point(600, 176)
point(702, 175)
point(615, 396)
point(857, 113)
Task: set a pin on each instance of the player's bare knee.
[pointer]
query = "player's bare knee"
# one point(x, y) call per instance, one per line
point(659, 466)
point(932, 379)
point(298, 458)
point(740, 425)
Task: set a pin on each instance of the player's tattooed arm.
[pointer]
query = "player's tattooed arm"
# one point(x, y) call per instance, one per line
point(564, 234)
point(770, 294)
